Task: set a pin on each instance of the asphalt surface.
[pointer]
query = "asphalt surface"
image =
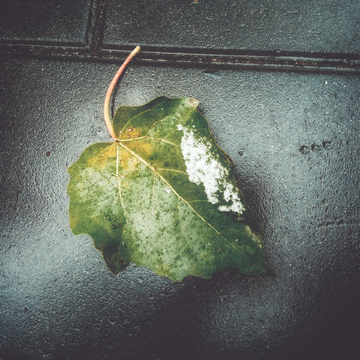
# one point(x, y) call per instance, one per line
point(279, 84)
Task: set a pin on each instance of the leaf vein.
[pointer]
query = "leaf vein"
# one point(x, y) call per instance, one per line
point(98, 156)
point(119, 182)
point(148, 138)
point(200, 217)
point(173, 170)
point(159, 122)
point(138, 115)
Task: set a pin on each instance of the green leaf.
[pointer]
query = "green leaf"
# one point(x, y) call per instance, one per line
point(164, 196)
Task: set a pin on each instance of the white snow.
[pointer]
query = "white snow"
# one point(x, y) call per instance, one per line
point(203, 167)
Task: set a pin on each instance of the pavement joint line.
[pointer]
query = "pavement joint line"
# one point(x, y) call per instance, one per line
point(270, 61)
point(91, 30)
point(98, 25)
point(94, 49)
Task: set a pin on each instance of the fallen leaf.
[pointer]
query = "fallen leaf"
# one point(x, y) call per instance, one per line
point(163, 195)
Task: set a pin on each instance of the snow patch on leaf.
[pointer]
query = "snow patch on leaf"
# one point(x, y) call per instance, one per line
point(203, 167)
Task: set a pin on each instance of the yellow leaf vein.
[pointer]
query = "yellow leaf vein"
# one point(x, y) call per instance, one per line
point(186, 202)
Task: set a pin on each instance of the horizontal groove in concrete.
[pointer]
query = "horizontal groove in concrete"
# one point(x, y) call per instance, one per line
point(96, 49)
point(232, 59)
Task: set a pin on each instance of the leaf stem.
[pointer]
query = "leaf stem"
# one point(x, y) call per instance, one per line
point(110, 90)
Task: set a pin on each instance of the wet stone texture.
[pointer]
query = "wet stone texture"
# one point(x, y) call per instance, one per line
point(327, 26)
point(56, 21)
point(294, 139)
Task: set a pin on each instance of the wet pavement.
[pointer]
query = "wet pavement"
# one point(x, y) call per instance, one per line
point(279, 84)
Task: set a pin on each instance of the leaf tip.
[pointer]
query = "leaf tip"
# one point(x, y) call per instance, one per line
point(194, 102)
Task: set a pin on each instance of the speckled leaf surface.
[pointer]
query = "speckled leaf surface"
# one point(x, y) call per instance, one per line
point(164, 196)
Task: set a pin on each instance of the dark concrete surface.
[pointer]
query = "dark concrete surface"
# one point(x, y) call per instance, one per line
point(59, 21)
point(327, 26)
point(294, 138)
